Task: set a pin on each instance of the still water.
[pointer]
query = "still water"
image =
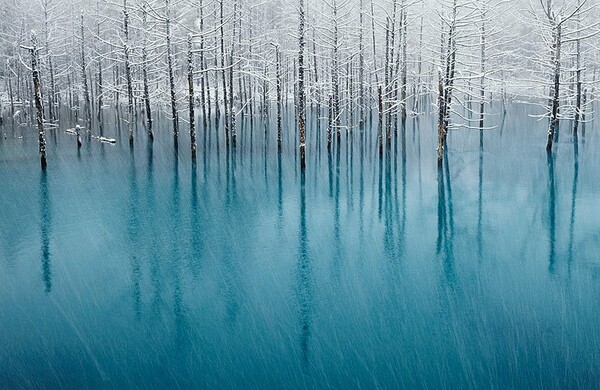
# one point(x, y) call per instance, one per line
point(138, 268)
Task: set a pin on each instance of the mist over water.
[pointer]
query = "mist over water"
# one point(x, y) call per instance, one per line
point(138, 267)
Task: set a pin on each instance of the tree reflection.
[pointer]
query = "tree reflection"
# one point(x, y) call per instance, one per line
point(133, 227)
point(480, 200)
point(304, 290)
point(45, 231)
point(573, 196)
point(445, 230)
point(551, 213)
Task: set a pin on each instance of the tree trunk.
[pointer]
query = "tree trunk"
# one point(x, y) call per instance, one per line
point(171, 75)
point(128, 72)
point(86, 90)
point(38, 101)
point(145, 74)
point(556, 88)
point(225, 101)
point(190, 69)
point(279, 97)
point(301, 98)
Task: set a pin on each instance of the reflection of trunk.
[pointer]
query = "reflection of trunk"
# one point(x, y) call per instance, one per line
point(480, 199)
point(45, 231)
point(441, 221)
point(445, 237)
point(551, 213)
point(304, 289)
point(573, 196)
point(133, 230)
point(37, 88)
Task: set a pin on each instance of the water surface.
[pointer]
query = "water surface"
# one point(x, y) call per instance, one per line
point(123, 268)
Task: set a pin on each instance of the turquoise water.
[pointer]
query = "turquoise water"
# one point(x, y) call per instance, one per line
point(138, 268)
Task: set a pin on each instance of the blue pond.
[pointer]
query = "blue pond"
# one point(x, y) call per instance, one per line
point(135, 267)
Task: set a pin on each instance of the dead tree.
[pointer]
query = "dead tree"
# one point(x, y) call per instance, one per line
point(279, 97)
point(128, 72)
point(482, 69)
point(171, 74)
point(190, 63)
point(37, 91)
point(232, 110)
point(145, 72)
point(204, 81)
point(223, 76)
point(301, 98)
point(86, 90)
point(555, 95)
point(446, 81)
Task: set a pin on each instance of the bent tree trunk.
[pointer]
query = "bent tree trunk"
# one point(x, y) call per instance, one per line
point(38, 101)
